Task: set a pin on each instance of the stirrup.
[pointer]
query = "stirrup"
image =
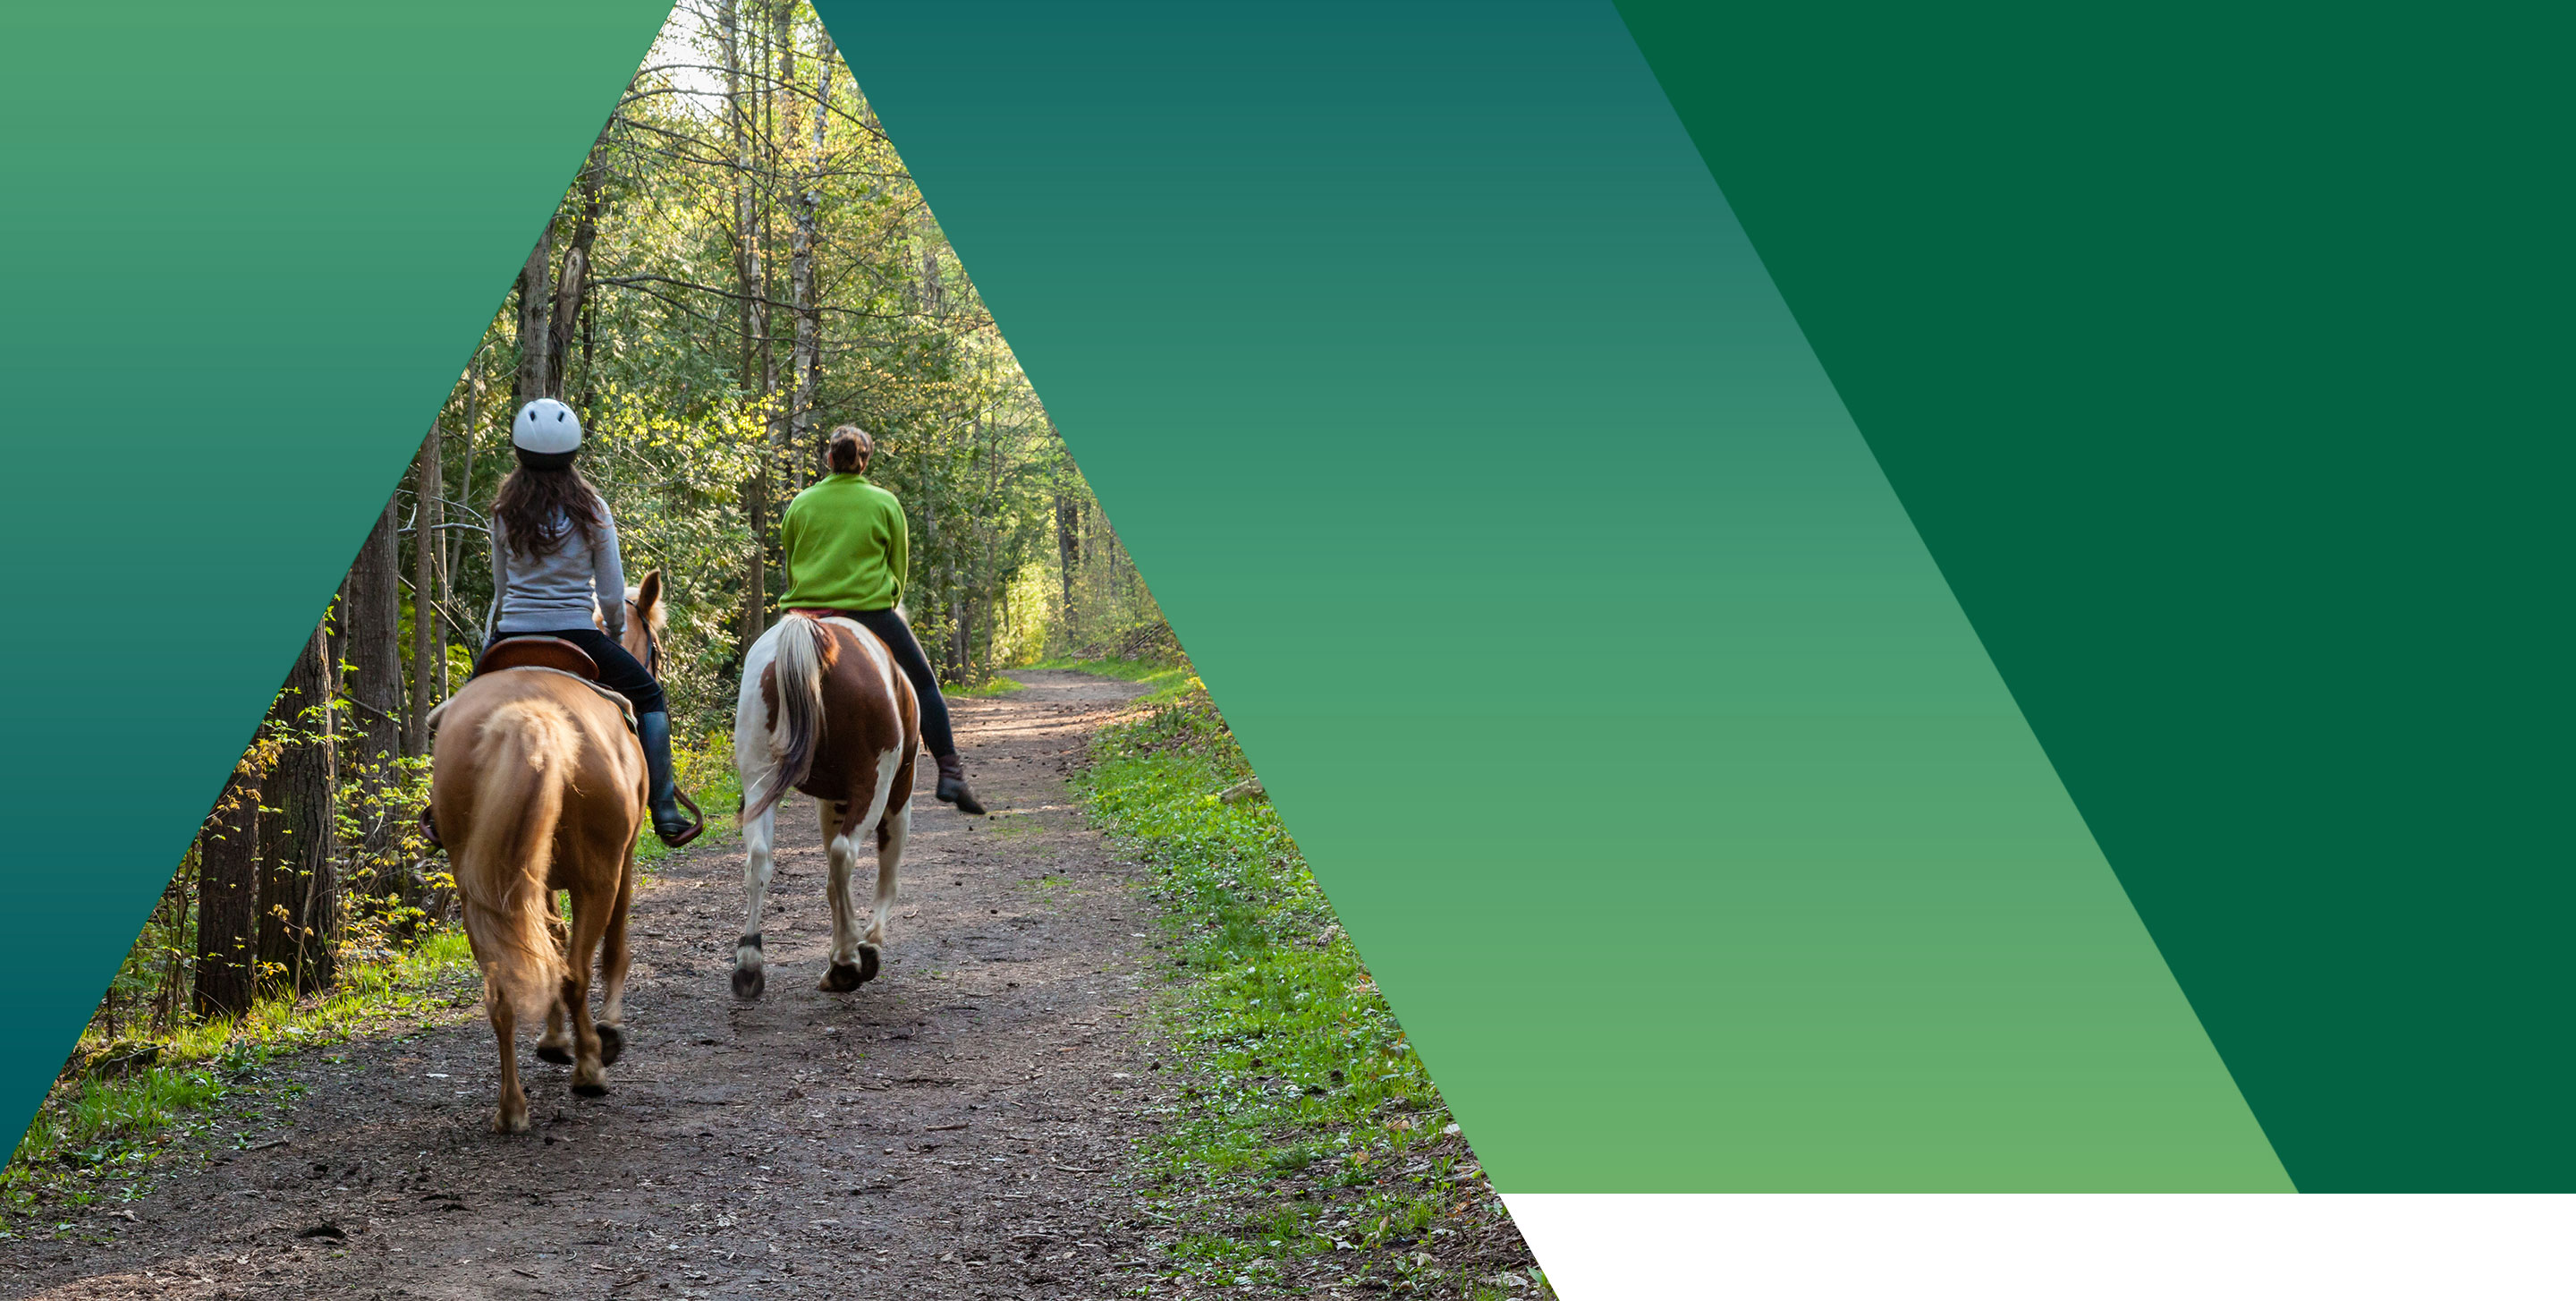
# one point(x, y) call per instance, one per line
point(695, 829)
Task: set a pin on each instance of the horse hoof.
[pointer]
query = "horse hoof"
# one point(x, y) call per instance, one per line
point(556, 1053)
point(505, 1123)
point(841, 978)
point(867, 963)
point(590, 1088)
point(612, 1044)
point(749, 981)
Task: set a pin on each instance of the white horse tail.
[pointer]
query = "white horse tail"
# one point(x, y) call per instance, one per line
point(804, 650)
point(522, 761)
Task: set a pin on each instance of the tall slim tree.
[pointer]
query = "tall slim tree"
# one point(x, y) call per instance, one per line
point(536, 308)
point(750, 293)
point(573, 285)
point(1068, 550)
point(370, 622)
point(228, 896)
point(298, 895)
point(805, 365)
point(428, 645)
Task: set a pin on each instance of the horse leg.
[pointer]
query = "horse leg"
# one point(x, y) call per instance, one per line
point(757, 836)
point(892, 834)
point(512, 1117)
point(590, 909)
point(554, 1047)
point(843, 975)
point(614, 957)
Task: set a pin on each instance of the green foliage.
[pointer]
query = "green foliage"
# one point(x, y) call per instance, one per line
point(702, 766)
point(705, 417)
point(1304, 1101)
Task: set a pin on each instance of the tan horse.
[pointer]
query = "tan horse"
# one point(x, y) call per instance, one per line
point(538, 784)
point(824, 710)
point(646, 617)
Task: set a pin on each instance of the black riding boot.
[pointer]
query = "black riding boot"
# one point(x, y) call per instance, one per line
point(952, 785)
point(673, 826)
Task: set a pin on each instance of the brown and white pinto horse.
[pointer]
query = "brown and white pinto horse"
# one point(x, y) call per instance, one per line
point(824, 710)
point(538, 785)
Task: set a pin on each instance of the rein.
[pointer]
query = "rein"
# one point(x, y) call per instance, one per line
point(652, 644)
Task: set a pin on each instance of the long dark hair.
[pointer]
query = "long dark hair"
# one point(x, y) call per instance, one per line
point(539, 509)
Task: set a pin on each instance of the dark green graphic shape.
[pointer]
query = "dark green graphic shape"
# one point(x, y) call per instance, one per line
point(2220, 356)
point(249, 248)
point(1569, 620)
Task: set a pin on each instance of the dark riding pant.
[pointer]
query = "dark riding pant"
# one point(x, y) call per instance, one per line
point(618, 671)
point(897, 636)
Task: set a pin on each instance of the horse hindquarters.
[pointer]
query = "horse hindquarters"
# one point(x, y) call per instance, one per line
point(519, 756)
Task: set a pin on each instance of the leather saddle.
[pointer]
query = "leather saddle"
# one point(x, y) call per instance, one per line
point(538, 653)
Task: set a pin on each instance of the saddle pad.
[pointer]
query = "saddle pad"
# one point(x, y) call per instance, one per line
point(625, 708)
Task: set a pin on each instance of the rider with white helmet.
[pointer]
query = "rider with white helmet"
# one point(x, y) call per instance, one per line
point(555, 562)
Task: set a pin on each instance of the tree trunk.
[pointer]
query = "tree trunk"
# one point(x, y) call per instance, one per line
point(755, 566)
point(298, 901)
point(454, 554)
point(752, 320)
point(228, 898)
point(428, 647)
point(1068, 555)
point(370, 619)
point(535, 303)
point(574, 283)
point(802, 366)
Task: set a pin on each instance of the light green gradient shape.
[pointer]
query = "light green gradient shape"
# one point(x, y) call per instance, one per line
point(1604, 682)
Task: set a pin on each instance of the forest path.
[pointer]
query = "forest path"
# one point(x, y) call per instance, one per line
point(954, 1129)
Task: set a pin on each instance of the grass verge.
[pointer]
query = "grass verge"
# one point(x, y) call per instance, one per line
point(120, 1104)
point(1310, 1148)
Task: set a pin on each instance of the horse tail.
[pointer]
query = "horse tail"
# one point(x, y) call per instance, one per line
point(797, 679)
point(523, 760)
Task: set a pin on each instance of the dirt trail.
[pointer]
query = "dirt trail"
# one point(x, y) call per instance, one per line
point(954, 1129)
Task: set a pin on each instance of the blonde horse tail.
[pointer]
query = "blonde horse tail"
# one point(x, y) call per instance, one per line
point(797, 673)
point(522, 761)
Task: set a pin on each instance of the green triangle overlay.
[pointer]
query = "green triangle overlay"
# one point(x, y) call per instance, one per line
point(251, 248)
point(1571, 624)
point(2219, 354)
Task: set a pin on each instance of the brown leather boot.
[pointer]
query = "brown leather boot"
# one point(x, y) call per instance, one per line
point(952, 785)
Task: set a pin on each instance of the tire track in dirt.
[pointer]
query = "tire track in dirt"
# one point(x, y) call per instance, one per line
point(955, 1129)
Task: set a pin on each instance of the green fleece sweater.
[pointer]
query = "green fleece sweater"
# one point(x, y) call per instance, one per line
point(847, 546)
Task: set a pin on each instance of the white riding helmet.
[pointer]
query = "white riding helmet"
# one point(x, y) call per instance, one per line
point(547, 428)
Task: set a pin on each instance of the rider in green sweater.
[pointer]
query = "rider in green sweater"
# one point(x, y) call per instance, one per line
point(848, 550)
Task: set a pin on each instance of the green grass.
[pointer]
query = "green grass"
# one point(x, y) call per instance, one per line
point(1168, 681)
point(704, 769)
point(999, 686)
point(1309, 1139)
point(95, 1136)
